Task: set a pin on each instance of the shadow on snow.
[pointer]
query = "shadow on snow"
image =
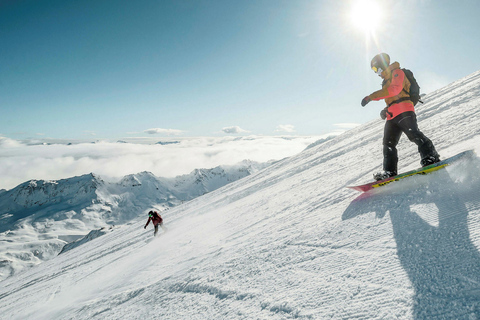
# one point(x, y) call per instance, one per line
point(440, 258)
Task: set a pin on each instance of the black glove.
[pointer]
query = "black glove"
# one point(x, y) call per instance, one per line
point(383, 114)
point(145, 227)
point(365, 101)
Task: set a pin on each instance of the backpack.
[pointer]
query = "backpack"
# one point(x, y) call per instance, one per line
point(157, 217)
point(414, 87)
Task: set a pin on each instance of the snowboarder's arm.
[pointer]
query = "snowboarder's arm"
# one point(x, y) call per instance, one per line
point(148, 222)
point(395, 87)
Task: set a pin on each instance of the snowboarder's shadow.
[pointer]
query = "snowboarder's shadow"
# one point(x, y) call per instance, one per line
point(439, 257)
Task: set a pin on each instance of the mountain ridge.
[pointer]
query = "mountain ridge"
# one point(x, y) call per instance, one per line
point(54, 212)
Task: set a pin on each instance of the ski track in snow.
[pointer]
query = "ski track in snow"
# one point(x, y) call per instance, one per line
point(292, 242)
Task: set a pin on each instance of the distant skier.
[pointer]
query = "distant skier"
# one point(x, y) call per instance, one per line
point(400, 115)
point(156, 219)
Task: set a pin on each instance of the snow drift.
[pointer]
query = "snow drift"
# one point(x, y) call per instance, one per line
point(292, 242)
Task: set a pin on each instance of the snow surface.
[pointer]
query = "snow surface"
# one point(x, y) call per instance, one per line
point(292, 242)
point(39, 217)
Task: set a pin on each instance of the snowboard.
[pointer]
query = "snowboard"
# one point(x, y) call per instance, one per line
point(423, 170)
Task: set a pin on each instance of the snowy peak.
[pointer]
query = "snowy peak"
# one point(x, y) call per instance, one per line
point(48, 214)
point(130, 181)
point(136, 180)
point(42, 193)
point(201, 181)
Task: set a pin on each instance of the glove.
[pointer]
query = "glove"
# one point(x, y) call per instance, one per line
point(365, 101)
point(145, 227)
point(383, 114)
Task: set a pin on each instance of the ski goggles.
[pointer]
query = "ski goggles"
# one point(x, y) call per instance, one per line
point(377, 70)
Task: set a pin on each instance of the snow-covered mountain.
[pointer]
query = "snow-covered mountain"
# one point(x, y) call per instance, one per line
point(39, 217)
point(292, 242)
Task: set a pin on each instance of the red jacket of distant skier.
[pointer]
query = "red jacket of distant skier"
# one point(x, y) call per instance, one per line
point(156, 219)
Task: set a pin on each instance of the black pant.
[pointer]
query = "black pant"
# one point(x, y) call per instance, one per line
point(404, 123)
point(156, 228)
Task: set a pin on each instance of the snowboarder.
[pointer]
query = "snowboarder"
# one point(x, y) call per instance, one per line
point(156, 220)
point(400, 115)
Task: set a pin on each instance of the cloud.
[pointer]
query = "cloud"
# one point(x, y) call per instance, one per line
point(233, 130)
point(167, 132)
point(285, 128)
point(20, 162)
point(8, 144)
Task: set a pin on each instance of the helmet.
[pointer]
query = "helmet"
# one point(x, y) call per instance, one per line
point(380, 61)
point(150, 213)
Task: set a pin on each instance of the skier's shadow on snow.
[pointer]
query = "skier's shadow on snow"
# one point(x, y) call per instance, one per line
point(430, 226)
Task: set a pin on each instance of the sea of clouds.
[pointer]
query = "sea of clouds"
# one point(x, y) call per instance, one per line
point(21, 161)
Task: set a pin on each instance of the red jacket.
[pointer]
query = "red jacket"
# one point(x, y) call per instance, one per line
point(156, 219)
point(392, 90)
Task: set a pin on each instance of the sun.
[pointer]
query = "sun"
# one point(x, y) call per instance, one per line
point(366, 15)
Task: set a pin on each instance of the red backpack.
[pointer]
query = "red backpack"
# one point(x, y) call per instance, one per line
point(156, 216)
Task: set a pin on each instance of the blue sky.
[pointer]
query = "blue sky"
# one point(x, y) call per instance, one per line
point(102, 69)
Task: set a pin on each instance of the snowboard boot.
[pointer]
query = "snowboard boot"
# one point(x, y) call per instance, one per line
point(430, 160)
point(383, 175)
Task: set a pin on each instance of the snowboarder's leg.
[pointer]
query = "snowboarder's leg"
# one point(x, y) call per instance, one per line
point(408, 123)
point(156, 230)
point(391, 136)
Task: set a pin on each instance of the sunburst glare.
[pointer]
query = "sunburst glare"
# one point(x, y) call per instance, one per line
point(366, 15)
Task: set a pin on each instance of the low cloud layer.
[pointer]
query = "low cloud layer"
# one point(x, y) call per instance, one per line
point(20, 162)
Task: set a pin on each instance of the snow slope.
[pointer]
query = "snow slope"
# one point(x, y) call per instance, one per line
point(39, 217)
point(292, 242)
